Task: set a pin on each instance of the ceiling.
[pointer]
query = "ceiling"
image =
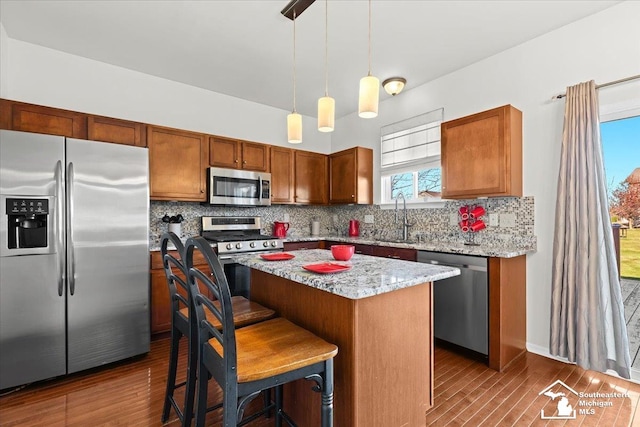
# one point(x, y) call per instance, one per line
point(245, 48)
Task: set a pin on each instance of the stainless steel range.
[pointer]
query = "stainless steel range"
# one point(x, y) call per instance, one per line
point(233, 234)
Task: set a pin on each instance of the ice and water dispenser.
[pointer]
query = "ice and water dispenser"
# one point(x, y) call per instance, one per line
point(28, 222)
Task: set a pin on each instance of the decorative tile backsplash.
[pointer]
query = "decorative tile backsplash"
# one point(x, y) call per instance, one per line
point(429, 224)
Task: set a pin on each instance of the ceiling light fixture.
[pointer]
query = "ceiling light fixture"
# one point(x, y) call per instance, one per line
point(369, 87)
point(294, 120)
point(326, 104)
point(394, 85)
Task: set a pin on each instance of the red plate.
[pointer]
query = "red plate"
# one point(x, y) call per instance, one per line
point(279, 256)
point(326, 267)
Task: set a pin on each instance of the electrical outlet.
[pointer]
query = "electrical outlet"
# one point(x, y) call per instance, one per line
point(494, 220)
point(508, 220)
point(453, 219)
point(286, 217)
point(368, 219)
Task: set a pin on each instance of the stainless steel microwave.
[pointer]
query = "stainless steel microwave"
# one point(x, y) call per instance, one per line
point(238, 187)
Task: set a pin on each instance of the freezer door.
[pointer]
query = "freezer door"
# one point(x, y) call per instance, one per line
point(32, 335)
point(107, 253)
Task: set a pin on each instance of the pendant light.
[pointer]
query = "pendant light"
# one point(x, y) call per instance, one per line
point(369, 87)
point(326, 104)
point(294, 120)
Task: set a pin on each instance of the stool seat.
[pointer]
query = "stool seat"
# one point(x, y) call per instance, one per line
point(276, 346)
point(245, 312)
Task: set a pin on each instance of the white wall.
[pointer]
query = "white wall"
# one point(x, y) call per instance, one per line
point(4, 61)
point(49, 77)
point(603, 47)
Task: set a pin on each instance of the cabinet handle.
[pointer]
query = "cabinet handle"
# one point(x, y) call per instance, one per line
point(394, 256)
point(353, 196)
point(244, 162)
point(235, 161)
point(202, 191)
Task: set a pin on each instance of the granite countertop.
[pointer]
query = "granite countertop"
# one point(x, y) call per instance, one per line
point(367, 277)
point(502, 251)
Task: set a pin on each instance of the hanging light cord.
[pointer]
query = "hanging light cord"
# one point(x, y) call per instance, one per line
point(369, 37)
point(326, 48)
point(294, 61)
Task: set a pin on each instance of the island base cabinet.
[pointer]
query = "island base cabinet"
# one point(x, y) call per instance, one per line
point(383, 372)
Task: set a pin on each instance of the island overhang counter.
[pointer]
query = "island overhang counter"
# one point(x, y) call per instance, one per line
point(378, 313)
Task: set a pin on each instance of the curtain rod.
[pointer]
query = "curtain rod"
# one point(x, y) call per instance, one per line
point(615, 82)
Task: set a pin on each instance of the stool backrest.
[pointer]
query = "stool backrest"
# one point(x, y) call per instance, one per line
point(176, 272)
point(217, 286)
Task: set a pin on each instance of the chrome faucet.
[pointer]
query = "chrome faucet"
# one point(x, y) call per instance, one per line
point(405, 223)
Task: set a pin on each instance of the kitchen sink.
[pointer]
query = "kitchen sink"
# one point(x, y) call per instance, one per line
point(408, 241)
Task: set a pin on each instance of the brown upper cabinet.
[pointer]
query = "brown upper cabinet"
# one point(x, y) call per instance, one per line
point(116, 131)
point(351, 176)
point(482, 154)
point(36, 118)
point(236, 154)
point(282, 175)
point(311, 177)
point(178, 162)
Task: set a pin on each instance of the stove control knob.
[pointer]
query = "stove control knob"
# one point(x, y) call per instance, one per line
point(229, 246)
point(238, 245)
point(252, 244)
point(265, 244)
point(274, 243)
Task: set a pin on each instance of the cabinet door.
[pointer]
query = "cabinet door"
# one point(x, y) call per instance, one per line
point(224, 152)
point(311, 170)
point(255, 156)
point(5, 114)
point(52, 121)
point(117, 131)
point(282, 179)
point(178, 163)
point(160, 303)
point(482, 154)
point(351, 176)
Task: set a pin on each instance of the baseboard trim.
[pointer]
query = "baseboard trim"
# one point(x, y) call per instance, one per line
point(544, 351)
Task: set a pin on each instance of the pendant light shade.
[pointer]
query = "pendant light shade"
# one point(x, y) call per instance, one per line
point(369, 87)
point(326, 114)
point(294, 128)
point(294, 120)
point(369, 95)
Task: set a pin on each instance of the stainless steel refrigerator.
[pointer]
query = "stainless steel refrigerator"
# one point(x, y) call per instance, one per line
point(74, 255)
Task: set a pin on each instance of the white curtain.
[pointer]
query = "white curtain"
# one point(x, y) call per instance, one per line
point(587, 313)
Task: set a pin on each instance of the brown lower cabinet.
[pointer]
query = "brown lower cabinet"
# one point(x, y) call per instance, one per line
point(160, 301)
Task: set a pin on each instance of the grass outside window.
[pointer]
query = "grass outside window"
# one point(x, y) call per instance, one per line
point(630, 254)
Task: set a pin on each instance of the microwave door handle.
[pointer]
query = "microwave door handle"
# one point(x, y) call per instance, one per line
point(260, 190)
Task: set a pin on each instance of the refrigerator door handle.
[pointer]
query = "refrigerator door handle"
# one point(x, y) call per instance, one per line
point(60, 226)
point(70, 245)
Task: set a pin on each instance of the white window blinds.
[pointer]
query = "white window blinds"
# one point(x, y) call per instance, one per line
point(411, 142)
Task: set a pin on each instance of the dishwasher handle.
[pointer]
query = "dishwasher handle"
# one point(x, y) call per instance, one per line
point(451, 264)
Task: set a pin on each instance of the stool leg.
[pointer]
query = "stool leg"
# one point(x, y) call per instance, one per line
point(171, 376)
point(278, 405)
point(190, 391)
point(327, 395)
point(201, 406)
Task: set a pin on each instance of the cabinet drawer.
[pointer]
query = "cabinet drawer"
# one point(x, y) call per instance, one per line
point(156, 259)
point(396, 253)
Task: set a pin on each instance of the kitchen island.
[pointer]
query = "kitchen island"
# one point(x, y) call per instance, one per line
point(378, 313)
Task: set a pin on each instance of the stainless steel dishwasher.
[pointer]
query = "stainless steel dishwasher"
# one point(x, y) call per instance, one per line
point(461, 305)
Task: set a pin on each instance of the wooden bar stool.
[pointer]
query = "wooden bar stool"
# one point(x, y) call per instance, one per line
point(258, 357)
point(245, 313)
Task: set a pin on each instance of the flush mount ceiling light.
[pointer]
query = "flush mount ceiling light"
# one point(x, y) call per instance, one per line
point(326, 104)
point(394, 85)
point(369, 87)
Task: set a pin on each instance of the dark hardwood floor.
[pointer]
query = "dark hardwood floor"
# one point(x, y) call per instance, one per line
point(466, 393)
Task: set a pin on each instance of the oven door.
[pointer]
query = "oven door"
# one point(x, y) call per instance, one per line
point(238, 187)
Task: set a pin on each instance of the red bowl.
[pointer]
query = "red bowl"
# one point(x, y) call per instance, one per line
point(342, 252)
